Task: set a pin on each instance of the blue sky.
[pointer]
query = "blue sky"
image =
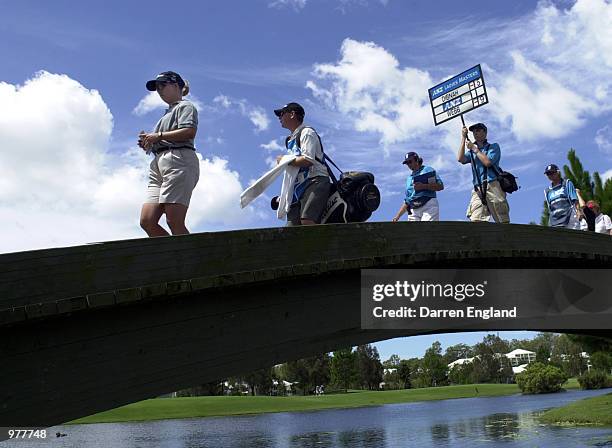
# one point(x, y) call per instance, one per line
point(72, 89)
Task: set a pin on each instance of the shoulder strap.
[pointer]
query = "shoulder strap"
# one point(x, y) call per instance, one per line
point(566, 194)
point(326, 158)
point(546, 190)
point(481, 188)
point(495, 170)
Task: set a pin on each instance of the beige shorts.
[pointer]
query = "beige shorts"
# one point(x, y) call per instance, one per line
point(173, 175)
point(498, 205)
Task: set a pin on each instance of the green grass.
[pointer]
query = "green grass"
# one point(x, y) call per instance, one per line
point(590, 411)
point(191, 407)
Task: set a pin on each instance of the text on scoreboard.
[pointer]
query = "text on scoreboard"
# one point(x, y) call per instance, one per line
point(458, 95)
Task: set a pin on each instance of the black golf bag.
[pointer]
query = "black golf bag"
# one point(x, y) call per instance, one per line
point(353, 198)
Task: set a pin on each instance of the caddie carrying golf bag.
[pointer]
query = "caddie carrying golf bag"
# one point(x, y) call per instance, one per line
point(353, 197)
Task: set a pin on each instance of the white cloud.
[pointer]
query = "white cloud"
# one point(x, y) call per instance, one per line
point(211, 204)
point(223, 100)
point(272, 145)
point(256, 114)
point(368, 84)
point(543, 84)
point(536, 104)
point(296, 5)
point(566, 78)
point(152, 101)
point(607, 175)
point(603, 139)
point(66, 189)
point(259, 118)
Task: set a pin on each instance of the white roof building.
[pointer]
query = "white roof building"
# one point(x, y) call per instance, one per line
point(459, 362)
point(519, 357)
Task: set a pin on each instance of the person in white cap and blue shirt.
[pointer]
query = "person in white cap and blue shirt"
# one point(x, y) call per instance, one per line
point(422, 184)
point(562, 200)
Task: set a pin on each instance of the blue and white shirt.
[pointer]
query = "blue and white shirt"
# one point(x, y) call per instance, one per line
point(311, 150)
point(418, 198)
point(561, 200)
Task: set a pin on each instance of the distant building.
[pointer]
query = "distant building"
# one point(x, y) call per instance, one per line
point(520, 357)
point(460, 361)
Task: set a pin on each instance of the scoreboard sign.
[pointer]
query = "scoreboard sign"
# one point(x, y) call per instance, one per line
point(458, 95)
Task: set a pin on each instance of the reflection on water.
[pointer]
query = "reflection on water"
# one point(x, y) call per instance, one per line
point(361, 439)
point(476, 422)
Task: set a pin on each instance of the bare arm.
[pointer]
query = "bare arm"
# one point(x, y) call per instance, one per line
point(301, 161)
point(461, 153)
point(145, 140)
point(580, 198)
point(403, 209)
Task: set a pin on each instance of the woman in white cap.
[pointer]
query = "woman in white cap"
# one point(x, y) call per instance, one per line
point(175, 169)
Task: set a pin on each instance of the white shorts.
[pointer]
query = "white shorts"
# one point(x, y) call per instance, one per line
point(173, 174)
point(573, 222)
point(430, 211)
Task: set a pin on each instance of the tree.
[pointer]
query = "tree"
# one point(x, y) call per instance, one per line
point(458, 351)
point(595, 379)
point(591, 344)
point(259, 381)
point(343, 369)
point(538, 378)
point(433, 366)
point(490, 364)
point(392, 363)
point(461, 373)
point(602, 361)
point(404, 372)
point(369, 368)
point(542, 354)
point(309, 372)
point(390, 373)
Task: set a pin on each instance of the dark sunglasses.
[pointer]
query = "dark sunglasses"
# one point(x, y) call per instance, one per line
point(162, 84)
point(548, 173)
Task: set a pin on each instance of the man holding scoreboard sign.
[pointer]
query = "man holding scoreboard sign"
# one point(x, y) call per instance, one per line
point(450, 99)
point(488, 199)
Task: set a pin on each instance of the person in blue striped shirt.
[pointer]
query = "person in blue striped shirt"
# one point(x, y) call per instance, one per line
point(563, 205)
point(421, 187)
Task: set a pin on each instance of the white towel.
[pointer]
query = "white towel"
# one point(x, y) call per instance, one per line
point(264, 181)
point(286, 194)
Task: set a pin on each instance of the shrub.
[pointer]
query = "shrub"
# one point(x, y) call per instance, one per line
point(540, 378)
point(595, 379)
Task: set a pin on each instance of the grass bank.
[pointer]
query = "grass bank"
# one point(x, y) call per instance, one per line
point(187, 407)
point(590, 411)
point(191, 407)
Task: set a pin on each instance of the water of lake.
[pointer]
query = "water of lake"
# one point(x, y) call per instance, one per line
point(476, 422)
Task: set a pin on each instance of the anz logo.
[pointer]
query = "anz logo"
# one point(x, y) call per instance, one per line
point(437, 91)
point(453, 103)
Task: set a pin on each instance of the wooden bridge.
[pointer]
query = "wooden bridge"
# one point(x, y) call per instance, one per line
point(89, 328)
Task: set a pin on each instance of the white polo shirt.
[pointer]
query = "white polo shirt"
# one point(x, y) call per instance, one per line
point(603, 224)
